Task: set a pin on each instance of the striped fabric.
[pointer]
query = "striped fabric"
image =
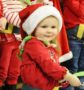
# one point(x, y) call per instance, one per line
point(10, 11)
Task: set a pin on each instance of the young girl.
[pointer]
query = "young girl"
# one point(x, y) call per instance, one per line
point(65, 53)
point(40, 64)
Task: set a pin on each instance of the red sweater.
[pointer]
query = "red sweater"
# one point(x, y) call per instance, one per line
point(40, 66)
point(73, 12)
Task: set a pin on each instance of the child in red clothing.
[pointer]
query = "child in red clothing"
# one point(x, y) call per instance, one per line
point(9, 62)
point(65, 53)
point(73, 13)
point(40, 64)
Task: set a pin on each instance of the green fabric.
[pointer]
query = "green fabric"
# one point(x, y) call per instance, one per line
point(28, 2)
point(27, 38)
point(79, 74)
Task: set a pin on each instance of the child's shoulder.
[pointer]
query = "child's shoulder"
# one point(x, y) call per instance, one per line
point(34, 45)
point(34, 41)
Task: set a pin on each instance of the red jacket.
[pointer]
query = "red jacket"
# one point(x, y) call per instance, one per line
point(73, 12)
point(40, 66)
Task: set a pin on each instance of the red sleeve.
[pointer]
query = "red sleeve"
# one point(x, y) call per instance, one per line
point(76, 6)
point(41, 56)
point(33, 76)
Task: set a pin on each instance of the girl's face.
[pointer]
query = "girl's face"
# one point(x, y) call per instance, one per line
point(47, 29)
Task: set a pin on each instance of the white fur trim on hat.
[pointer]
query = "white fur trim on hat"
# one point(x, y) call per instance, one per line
point(38, 15)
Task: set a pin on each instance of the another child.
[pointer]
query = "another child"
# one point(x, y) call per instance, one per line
point(73, 12)
point(9, 62)
point(40, 64)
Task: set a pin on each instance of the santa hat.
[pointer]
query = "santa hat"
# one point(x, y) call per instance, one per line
point(34, 14)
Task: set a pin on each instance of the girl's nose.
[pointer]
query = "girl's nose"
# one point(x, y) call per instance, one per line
point(49, 30)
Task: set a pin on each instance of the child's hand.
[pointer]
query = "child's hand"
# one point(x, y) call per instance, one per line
point(2, 23)
point(64, 83)
point(72, 79)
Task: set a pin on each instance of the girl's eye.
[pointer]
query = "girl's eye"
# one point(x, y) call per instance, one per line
point(53, 27)
point(44, 26)
point(47, 26)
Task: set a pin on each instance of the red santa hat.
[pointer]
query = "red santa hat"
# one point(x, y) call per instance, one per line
point(34, 14)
